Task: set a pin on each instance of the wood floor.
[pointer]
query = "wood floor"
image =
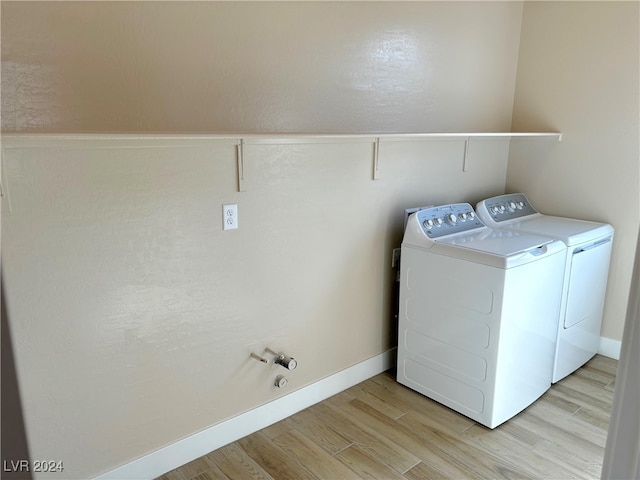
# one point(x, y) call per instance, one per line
point(382, 430)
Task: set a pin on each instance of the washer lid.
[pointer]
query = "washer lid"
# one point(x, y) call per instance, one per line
point(466, 237)
point(571, 231)
point(497, 248)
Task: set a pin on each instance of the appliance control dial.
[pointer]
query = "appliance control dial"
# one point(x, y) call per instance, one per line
point(436, 222)
point(507, 208)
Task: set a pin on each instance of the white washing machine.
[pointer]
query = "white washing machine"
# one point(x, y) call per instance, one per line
point(478, 313)
point(585, 274)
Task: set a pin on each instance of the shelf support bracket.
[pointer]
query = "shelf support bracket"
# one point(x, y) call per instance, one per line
point(376, 153)
point(240, 165)
point(465, 157)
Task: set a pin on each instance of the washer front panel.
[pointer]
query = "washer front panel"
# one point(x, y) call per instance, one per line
point(477, 338)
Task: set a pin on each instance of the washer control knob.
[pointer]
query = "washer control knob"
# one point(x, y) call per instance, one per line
point(471, 215)
point(501, 208)
point(451, 219)
point(494, 209)
point(520, 205)
point(462, 217)
point(437, 222)
point(511, 206)
point(428, 223)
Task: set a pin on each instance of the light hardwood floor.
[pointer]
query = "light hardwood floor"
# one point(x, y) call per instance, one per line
point(381, 430)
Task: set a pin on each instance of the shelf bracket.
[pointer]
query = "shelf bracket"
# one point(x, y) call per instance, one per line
point(376, 153)
point(4, 190)
point(465, 156)
point(240, 165)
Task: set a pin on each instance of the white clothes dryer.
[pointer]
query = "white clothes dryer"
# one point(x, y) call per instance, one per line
point(585, 274)
point(478, 313)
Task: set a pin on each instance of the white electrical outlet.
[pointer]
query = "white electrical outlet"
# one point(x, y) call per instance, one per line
point(230, 216)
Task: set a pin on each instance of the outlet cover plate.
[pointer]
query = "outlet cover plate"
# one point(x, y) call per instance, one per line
point(230, 216)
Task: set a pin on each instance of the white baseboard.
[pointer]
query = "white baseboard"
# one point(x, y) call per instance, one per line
point(610, 348)
point(172, 456)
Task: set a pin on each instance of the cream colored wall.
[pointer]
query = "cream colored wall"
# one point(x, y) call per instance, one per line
point(132, 312)
point(578, 73)
point(215, 67)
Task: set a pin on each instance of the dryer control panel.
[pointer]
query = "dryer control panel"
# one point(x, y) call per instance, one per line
point(507, 207)
point(448, 219)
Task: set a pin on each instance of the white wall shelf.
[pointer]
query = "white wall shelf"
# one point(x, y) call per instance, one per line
point(294, 139)
point(242, 140)
point(18, 140)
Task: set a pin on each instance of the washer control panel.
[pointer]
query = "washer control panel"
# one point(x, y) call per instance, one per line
point(448, 219)
point(507, 207)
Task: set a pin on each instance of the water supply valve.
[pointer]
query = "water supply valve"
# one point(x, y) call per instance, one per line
point(281, 381)
point(283, 360)
point(259, 358)
point(287, 362)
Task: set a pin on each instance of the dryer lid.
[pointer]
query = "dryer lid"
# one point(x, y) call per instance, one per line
point(502, 243)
